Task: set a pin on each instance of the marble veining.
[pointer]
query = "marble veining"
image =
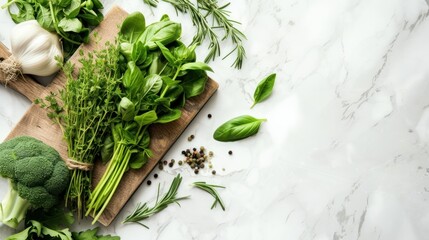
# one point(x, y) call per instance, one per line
point(344, 153)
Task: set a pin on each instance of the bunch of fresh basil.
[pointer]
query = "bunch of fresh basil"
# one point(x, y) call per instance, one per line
point(70, 19)
point(159, 74)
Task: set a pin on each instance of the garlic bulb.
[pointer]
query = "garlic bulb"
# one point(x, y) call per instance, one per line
point(33, 51)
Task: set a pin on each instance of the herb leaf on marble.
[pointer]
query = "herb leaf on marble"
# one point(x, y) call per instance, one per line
point(211, 189)
point(264, 89)
point(238, 128)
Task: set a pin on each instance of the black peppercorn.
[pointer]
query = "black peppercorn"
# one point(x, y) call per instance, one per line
point(230, 152)
point(165, 162)
point(196, 171)
point(214, 172)
point(155, 175)
point(149, 182)
point(209, 115)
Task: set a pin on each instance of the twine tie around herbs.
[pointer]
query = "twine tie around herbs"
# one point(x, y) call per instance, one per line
point(73, 164)
point(11, 68)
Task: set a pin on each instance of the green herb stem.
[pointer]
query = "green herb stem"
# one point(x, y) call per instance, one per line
point(211, 189)
point(143, 211)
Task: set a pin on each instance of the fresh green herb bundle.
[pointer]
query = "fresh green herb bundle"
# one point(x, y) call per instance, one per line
point(200, 14)
point(70, 19)
point(86, 110)
point(143, 212)
point(160, 73)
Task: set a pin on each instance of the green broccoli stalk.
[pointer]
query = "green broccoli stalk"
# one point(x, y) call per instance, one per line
point(37, 175)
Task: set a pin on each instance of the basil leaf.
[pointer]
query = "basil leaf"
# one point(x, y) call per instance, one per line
point(153, 84)
point(73, 9)
point(264, 89)
point(165, 32)
point(170, 116)
point(139, 159)
point(133, 80)
point(238, 128)
point(166, 53)
point(139, 53)
point(146, 118)
point(70, 25)
point(196, 66)
point(194, 83)
point(132, 27)
point(126, 109)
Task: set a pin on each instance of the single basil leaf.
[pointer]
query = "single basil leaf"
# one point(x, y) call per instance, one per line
point(97, 4)
point(264, 89)
point(168, 81)
point(70, 25)
point(183, 53)
point(174, 92)
point(194, 83)
point(133, 80)
point(73, 9)
point(126, 109)
point(139, 53)
point(164, 32)
point(196, 66)
point(127, 50)
point(138, 159)
point(170, 116)
point(238, 128)
point(153, 84)
point(166, 53)
point(132, 27)
point(146, 118)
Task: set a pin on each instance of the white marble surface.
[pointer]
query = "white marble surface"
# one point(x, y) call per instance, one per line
point(345, 151)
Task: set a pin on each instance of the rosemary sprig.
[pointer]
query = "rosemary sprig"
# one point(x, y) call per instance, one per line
point(152, 3)
point(211, 189)
point(221, 16)
point(143, 211)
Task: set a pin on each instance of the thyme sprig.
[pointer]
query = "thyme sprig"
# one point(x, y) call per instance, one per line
point(143, 211)
point(212, 191)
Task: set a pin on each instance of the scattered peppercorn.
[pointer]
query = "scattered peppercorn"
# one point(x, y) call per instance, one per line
point(171, 164)
point(149, 182)
point(230, 152)
point(155, 175)
point(165, 162)
point(209, 115)
point(196, 171)
point(214, 172)
point(180, 162)
point(184, 153)
point(161, 167)
point(191, 137)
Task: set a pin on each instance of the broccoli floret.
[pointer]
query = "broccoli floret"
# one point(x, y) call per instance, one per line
point(37, 177)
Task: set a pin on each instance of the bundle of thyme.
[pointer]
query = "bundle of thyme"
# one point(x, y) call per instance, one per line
point(85, 110)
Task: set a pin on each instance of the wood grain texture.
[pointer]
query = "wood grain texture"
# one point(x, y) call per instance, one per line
point(36, 123)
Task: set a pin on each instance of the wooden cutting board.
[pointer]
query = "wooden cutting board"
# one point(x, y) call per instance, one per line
point(36, 123)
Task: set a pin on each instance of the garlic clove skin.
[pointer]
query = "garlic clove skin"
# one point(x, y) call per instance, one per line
point(35, 48)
